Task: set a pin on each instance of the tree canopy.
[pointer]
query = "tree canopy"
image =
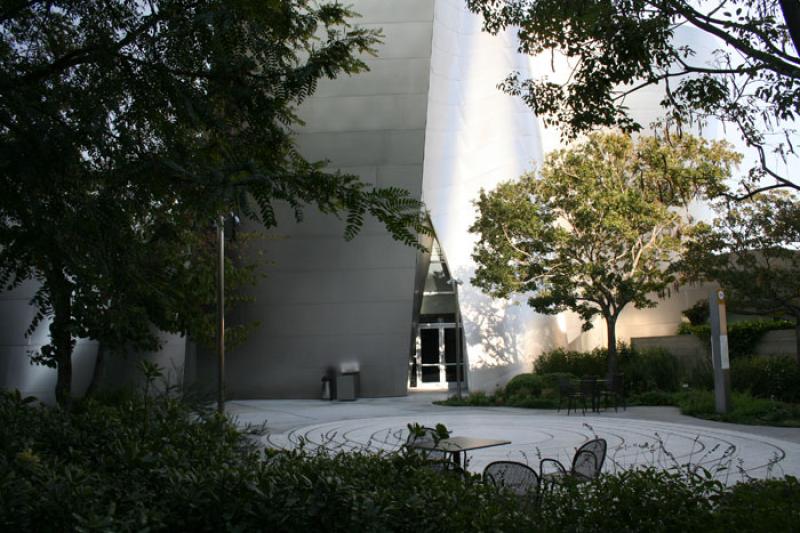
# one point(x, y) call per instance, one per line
point(596, 228)
point(127, 127)
point(616, 47)
point(753, 251)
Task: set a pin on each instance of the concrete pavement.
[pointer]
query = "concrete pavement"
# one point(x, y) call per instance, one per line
point(657, 436)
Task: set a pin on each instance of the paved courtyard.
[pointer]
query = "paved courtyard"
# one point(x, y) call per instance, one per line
point(658, 436)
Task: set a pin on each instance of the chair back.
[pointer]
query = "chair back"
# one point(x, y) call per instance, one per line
point(589, 459)
point(588, 386)
point(519, 478)
point(428, 436)
point(565, 386)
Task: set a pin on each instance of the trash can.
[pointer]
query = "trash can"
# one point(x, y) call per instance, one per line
point(347, 386)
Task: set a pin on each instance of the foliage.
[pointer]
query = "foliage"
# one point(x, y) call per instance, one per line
point(525, 384)
point(651, 370)
point(151, 464)
point(745, 409)
point(698, 313)
point(594, 231)
point(634, 500)
point(614, 48)
point(773, 377)
point(645, 370)
point(743, 337)
point(653, 397)
point(572, 362)
point(760, 505)
point(127, 128)
point(752, 252)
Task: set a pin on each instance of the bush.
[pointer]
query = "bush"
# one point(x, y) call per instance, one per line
point(698, 313)
point(745, 409)
point(650, 370)
point(762, 505)
point(525, 385)
point(634, 500)
point(645, 370)
point(157, 465)
point(576, 363)
point(653, 398)
point(776, 377)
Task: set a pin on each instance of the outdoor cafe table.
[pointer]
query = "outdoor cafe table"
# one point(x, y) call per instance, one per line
point(458, 445)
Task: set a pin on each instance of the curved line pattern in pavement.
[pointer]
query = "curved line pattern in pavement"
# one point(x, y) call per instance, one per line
point(730, 455)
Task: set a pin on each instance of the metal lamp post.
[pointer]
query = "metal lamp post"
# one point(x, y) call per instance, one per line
point(221, 313)
point(221, 305)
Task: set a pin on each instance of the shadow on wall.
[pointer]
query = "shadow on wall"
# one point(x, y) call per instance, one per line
point(502, 337)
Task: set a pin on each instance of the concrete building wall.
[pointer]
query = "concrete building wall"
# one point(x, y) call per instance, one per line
point(477, 137)
point(326, 302)
point(16, 369)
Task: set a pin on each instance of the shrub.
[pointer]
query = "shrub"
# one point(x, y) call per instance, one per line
point(576, 363)
point(760, 505)
point(745, 409)
point(633, 500)
point(156, 464)
point(654, 398)
point(651, 369)
point(525, 385)
point(776, 377)
point(698, 313)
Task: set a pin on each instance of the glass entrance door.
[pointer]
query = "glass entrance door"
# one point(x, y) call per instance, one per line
point(436, 354)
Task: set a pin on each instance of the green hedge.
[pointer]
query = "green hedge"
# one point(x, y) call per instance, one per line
point(775, 377)
point(745, 409)
point(645, 370)
point(155, 465)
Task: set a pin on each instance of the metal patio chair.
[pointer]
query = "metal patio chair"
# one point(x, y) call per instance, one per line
point(586, 464)
point(516, 477)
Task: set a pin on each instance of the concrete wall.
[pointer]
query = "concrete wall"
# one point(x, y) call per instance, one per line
point(16, 370)
point(325, 301)
point(778, 342)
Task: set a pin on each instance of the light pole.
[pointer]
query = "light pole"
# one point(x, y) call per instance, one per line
point(221, 305)
point(455, 283)
point(221, 313)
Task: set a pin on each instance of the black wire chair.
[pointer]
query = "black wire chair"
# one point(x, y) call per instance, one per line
point(586, 464)
point(518, 478)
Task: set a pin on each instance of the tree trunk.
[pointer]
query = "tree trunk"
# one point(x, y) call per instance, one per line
point(611, 325)
point(99, 366)
point(797, 339)
point(61, 337)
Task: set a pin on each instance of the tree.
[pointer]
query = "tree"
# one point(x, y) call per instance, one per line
point(752, 251)
point(137, 123)
point(617, 47)
point(597, 228)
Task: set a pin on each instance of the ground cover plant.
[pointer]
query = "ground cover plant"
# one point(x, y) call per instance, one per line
point(138, 463)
